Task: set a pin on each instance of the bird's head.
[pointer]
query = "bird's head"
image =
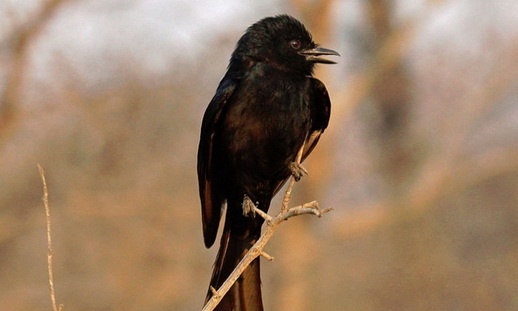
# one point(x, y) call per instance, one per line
point(283, 42)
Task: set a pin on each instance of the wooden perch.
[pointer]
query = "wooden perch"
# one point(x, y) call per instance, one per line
point(258, 248)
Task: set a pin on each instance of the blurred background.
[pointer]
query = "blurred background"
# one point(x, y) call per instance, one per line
point(420, 161)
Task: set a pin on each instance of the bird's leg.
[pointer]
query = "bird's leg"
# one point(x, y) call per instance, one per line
point(297, 170)
point(248, 207)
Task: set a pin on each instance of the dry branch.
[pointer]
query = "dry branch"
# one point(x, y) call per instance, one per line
point(49, 241)
point(258, 248)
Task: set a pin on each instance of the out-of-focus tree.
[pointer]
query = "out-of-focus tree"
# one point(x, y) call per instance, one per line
point(419, 161)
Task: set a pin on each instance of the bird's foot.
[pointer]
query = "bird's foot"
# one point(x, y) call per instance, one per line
point(297, 170)
point(248, 207)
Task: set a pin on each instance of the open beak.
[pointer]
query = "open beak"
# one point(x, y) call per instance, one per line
point(313, 55)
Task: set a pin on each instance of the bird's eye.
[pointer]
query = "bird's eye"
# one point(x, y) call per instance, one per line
point(295, 44)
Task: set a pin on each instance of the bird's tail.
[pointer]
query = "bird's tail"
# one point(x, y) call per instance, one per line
point(236, 240)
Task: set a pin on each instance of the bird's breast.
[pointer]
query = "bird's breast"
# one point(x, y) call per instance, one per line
point(266, 123)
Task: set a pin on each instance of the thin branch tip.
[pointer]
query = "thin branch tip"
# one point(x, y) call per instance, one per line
point(50, 272)
point(327, 210)
point(264, 215)
point(321, 212)
point(267, 256)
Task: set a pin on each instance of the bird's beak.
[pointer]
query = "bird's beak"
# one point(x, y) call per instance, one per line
point(312, 55)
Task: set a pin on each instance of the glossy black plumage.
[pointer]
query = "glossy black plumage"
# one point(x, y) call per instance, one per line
point(265, 107)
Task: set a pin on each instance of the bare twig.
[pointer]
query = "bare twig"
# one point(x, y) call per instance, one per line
point(49, 241)
point(287, 194)
point(257, 249)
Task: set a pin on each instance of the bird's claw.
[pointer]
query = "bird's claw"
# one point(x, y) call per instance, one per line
point(297, 170)
point(248, 207)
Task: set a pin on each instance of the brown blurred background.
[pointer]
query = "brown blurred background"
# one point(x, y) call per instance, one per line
point(420, 161)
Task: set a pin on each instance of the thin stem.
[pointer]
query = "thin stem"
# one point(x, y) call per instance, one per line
point(49, 240)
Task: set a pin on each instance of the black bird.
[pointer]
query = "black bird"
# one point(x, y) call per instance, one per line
point(265, 108)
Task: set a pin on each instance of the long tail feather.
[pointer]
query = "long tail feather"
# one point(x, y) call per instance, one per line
point(245, 294)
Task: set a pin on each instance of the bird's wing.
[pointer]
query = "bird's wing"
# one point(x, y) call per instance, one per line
point(320, 106)
point(211, 198)
point(320, 111)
